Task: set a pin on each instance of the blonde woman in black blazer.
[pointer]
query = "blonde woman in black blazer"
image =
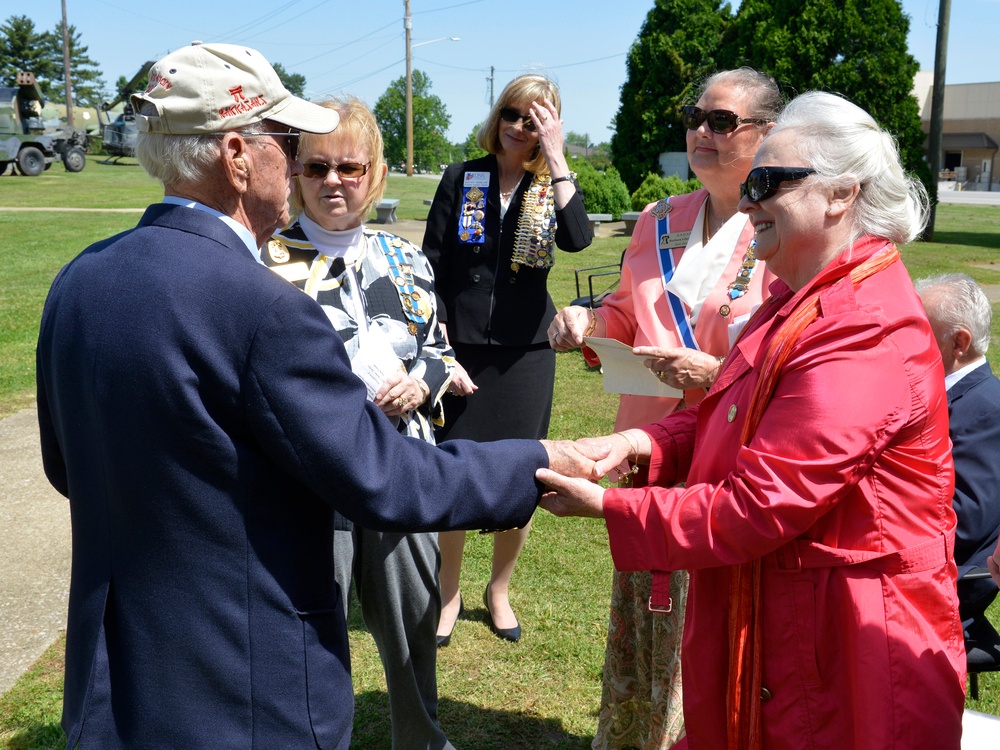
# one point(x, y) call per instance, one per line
point(491, 236)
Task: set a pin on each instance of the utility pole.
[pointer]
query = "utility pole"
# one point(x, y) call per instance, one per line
point(490, 79)
point(69, 98)
point(407, 24)
point(937, 104)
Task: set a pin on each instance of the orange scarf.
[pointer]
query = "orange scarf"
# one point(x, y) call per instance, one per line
point(745, 663)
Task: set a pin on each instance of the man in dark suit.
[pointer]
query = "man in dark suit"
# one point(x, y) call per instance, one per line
point(201, 415)
point(961, 317)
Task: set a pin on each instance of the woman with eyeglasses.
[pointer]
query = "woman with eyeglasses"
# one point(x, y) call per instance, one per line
point(491, 236)
point(378, 291)
point(815, 515)
point(689, 279)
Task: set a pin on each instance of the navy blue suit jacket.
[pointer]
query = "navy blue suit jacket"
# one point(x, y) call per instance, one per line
point(974, 410)
point(201, 415)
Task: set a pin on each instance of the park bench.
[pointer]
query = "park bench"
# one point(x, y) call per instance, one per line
point(630, 218)
point(595, 222)
point(385, 211)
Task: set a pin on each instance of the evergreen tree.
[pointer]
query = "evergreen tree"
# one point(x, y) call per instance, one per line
point(294, 82)
point(86, 83)
point(430, 122)
point(22, 48)
point(675, 49)
point(856, 48)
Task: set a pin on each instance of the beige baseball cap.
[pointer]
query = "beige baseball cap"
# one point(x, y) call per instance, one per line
point(207, 88)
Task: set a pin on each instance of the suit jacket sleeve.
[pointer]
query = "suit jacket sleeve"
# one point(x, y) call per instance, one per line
point(308, 408)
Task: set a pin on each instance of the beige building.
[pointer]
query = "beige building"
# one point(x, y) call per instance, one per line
point(970, 134)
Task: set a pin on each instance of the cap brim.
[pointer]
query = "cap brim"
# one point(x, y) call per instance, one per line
point(305, 116)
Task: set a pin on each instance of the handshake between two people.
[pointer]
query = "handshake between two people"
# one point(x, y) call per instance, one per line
point(575, 467)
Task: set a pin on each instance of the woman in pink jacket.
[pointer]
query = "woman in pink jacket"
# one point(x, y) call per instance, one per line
point(679, 310)
point(815, 515)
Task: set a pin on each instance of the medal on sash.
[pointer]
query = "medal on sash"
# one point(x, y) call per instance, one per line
point(738, 287)
point(665, 244)
point(416, 302)
point(471, 226)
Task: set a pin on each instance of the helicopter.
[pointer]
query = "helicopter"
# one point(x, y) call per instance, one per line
point(118, 136)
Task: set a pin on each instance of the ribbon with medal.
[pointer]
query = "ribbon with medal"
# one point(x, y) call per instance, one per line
point(738, 287)
point(471, 226)
point(666, 243)
point(416, 302)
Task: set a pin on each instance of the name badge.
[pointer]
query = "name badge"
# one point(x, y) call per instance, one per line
point(477, 179)
point(674, 239)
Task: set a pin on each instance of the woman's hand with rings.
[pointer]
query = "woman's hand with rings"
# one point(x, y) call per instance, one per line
point(568, 328)
point(399, 394)
point(680, 367)
point(550, 135)
point(461, 384)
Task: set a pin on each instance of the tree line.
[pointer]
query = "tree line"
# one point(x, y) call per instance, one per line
point(853, 47)
point(856, 48)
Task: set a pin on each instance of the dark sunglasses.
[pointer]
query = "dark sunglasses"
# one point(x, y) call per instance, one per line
point(513, 116)
point(763, 182)
point(719, 120)
point(290, 144)
point(318, 170)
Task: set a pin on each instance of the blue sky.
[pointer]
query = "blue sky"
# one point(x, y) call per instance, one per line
point(358, 47)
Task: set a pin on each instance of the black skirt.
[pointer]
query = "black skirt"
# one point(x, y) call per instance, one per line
point(514, 399)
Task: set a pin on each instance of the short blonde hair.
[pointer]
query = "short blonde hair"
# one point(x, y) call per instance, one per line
point(524, 89)
point(357, 123)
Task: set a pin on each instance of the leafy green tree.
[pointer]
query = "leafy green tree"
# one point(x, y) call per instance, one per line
point(86, 83)
point(24, 48)
point(675, 49)
point(471, 149)
point(431, 148)
point(852, 47)
point(294, 82)
point(577, 139)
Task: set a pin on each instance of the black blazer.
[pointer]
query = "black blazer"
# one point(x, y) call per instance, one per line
point(201, 415)
point(974, 410)
point(481, 298)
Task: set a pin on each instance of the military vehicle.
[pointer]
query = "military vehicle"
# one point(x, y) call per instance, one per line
point(118, 136)
point(26, 142)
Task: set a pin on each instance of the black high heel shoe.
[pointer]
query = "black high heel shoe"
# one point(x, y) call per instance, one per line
point(444, 640)
point(508, 634)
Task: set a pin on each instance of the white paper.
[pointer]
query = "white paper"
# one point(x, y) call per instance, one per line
point(624, 372)
point(375, 360)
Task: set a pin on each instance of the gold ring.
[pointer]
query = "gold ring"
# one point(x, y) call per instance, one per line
point(661, 375)
point(398, 403)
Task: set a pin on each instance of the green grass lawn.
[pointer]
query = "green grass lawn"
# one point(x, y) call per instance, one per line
point(542, 692)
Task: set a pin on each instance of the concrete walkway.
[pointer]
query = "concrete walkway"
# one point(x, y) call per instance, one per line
point(34, 550)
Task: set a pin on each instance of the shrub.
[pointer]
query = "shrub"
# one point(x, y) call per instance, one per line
point(603, 192)
point(655, 187)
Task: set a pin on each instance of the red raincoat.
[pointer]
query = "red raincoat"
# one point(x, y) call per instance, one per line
point(851, 461)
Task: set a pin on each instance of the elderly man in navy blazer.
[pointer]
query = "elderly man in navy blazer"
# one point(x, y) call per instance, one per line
point(201, 415)
point(961, 318)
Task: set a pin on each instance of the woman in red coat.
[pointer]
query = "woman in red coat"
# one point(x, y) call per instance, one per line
point(815, 514)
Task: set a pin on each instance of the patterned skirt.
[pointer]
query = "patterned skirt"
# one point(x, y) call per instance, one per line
point(641, 702)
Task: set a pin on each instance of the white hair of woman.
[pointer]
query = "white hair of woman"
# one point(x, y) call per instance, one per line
point(843, 143)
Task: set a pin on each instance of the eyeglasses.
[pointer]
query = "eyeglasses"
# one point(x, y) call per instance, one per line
point(318, 170)
point(719, 120)
point(507, 114)
point(290, 147)
point(763, 182)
